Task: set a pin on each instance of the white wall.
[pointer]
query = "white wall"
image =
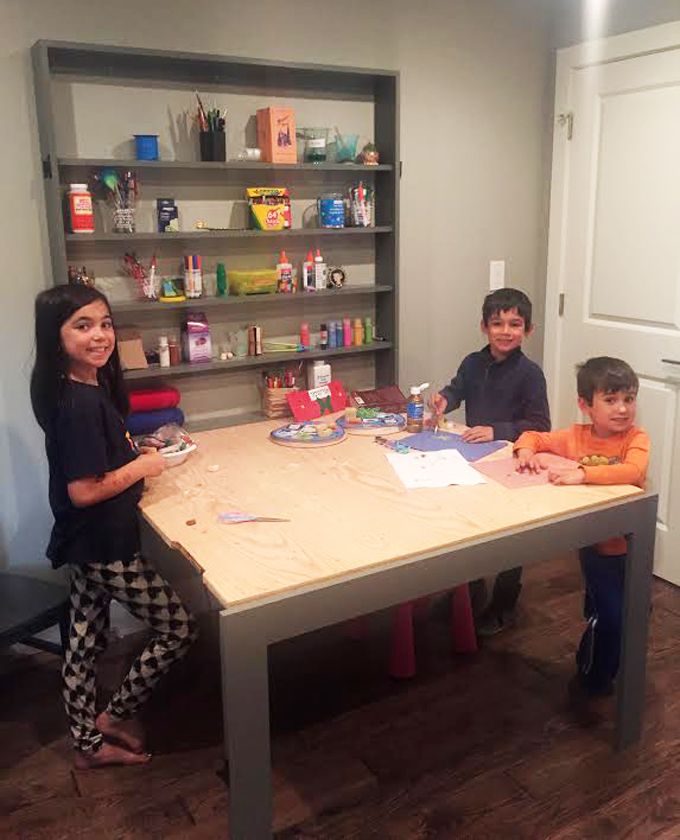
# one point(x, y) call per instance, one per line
point(476, 103)
point(575, 21)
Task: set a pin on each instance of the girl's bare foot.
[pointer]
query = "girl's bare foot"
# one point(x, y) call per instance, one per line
point(106, 756)
point(129, 733)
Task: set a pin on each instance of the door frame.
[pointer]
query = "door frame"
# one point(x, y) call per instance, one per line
point(655, 39)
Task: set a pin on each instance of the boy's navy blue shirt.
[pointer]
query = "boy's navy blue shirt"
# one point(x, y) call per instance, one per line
point(510, 395)
point(88, 438)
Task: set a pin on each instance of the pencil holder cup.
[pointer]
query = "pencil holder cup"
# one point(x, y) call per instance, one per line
point(124, 220)
point(213, 145)
point(146, 146)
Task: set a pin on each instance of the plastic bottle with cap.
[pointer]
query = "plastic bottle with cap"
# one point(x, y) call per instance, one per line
point(415, 408)
point(320, 272)
point(164, 351)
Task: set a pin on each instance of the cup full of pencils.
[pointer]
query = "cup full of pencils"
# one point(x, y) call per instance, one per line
point(121, 190)
point(211, 132)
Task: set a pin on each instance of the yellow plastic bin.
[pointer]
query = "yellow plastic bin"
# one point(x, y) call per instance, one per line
point(258, 281)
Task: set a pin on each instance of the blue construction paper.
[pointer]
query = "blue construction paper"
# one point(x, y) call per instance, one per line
point(428, 441)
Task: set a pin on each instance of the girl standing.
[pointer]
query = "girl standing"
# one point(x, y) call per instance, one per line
point(96, 480)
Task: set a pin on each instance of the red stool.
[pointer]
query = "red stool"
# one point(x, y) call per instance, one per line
point(402, 663)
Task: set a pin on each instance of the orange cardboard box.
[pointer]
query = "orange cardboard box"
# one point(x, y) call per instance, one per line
point(276, 135)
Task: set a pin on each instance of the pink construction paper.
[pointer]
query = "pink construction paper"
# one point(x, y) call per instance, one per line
point(504, 470)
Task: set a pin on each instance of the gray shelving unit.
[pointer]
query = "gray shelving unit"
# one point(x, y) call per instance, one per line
point(83, 62)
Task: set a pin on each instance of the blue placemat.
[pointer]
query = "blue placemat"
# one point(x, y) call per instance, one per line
point(429, 442)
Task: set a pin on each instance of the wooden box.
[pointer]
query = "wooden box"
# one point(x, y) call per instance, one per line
point(276, 135)
point(275, 402)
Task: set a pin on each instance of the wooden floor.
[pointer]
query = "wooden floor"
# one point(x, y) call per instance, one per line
point(476, 747)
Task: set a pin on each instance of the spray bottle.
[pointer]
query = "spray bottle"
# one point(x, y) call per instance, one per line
point(415, 408)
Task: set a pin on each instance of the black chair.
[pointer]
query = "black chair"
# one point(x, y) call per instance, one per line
point(29, 606)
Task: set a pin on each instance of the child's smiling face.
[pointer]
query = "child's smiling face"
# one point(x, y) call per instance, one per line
point(505, 331)
point(611, 413)
point(88, 338)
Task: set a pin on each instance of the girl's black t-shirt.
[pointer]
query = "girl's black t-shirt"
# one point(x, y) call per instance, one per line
point(87, 439)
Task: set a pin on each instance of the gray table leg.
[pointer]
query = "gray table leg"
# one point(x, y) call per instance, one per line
point(635, 623)
point(245, 703)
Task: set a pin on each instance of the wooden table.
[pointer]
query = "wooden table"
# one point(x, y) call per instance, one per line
point(356, 542)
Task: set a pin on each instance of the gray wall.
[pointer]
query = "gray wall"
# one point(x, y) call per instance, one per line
point(476, 116)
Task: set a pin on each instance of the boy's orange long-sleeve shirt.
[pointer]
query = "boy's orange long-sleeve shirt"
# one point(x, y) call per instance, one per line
point(619, 459)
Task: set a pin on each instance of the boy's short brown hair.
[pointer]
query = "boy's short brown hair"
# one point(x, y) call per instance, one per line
point(606, 374)
point(502, 300)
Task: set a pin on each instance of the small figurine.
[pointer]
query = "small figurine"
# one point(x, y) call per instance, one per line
point(369, 155)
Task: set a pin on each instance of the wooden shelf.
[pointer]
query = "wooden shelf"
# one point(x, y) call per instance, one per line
point(364, 89)
point(217, 166)
point(265, 360)
point(202, 235)
point(141, 307)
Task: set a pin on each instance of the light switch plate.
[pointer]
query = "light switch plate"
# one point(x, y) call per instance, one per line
point(496, 274)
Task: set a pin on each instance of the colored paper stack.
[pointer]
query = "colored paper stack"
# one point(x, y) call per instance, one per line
point(151, 408)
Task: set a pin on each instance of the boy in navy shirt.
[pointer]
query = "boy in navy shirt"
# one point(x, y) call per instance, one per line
point(504, 395)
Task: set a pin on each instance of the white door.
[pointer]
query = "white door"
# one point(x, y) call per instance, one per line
point(614, 252)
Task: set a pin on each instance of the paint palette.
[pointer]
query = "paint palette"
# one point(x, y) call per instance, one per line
point(308, 435)
point(371, 421)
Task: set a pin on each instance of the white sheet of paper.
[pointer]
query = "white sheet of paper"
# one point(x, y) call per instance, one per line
point(433, 469)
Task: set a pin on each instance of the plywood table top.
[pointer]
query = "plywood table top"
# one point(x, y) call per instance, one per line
point(348, 512)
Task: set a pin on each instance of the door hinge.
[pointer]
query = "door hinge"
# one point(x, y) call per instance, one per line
point(47, 167)
point(560, 304)
point(401, 167)
point(567, 119)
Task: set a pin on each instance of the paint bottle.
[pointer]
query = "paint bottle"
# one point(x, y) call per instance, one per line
point(284, 274)
point(331, 334)
point(346, 332)
point(368, 330)
point(304, 335)
point(323, 337)
point(163, 351)
point(222, 287)
point(173, 349)
point(415, 408)
point(339, 332)
point(358, 332)
point(80, 210)
point(197, 276)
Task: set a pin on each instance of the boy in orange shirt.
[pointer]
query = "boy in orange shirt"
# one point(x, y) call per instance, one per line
point(609, 450)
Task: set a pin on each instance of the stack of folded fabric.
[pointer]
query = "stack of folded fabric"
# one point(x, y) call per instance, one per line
point(151, 408)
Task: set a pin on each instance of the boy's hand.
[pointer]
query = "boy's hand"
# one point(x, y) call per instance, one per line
point(437, 404)
point(478, 434)
point(528, 461)
point(153, 463)
point(576, 476)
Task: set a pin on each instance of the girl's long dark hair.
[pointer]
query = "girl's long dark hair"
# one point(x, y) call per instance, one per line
point(53, 308)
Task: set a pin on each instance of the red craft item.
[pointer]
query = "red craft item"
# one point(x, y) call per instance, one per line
point(153, 399)
point(308, 405)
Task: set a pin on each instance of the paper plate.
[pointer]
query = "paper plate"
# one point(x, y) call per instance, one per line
point(384, 424)
point(308, 435)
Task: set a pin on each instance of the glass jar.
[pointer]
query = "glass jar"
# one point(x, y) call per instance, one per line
point(124, 220)
point(316, 144)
